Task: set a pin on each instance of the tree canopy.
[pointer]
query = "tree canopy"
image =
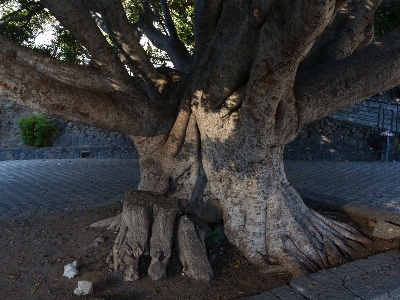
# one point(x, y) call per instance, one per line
point(210, 104)
point(30, 23)
point(24, 20)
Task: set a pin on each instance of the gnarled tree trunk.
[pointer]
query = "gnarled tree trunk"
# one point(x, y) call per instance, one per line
point(211, 133)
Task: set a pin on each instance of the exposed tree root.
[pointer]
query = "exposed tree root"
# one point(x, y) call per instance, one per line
point(147, 227)
point(297, 239)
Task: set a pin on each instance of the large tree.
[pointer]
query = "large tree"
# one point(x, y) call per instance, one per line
point(211, 130)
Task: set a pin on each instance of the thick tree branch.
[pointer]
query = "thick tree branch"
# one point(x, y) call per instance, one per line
point(88, 34)
point(169, 23)
point(226, 63)
point(135, 57)
point(75, 75)
point(206, 17)
point(351, 29)
point(123, 112)
point(341, 83)
point(174, 47)
point(285, 39)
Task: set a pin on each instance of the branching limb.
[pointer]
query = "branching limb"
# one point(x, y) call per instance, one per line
point(174, 47)
point(88, 34)
point(219, 74)
point(135, 57)
point(285, 39)
point(122, 112)
point(341, 83)
point(352, 29)
point(169, 24)
point(75, 75)
point(206, 17)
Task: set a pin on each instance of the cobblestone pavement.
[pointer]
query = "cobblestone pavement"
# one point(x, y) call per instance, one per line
point(377, 277)
point(30, 187)
point(42, 186)
point(368, 188)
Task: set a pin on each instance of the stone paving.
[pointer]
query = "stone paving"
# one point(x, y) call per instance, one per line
point(30, 187)
point(377, 277)
point(371, 189)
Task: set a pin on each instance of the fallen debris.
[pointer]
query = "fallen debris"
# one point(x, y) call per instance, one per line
point(106, 222)
point(70, 270)
point(84, 288)
point(96, 242)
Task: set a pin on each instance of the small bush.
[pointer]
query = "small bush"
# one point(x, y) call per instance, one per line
point(36, 130)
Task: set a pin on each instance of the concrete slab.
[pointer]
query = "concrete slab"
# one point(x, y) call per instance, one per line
point(338, 293)
point(366, 289)
point(347, 271)
point(287, 293)
point(385, 230)
point(308, 287)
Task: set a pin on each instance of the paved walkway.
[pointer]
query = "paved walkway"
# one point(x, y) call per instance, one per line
point(371, 189)
point(374, 278)
point(41, 186)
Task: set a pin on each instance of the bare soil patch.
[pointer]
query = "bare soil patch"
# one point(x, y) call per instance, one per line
point(33, 252)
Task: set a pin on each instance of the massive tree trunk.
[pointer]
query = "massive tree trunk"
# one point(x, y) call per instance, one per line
point(267, 220)
point(211, 134)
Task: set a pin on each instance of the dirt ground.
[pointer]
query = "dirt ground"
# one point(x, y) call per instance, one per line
point(33, 252)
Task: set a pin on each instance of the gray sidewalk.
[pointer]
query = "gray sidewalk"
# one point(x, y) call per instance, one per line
point(30, 187)
point(42, 186)
point(374, 278)
point(371, 189)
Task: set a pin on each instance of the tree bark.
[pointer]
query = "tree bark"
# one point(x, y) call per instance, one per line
point(215, 139)
point(267, 220)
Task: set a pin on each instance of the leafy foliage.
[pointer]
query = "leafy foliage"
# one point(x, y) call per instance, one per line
point(183, 16)
point(24, 21)
point(67, 48)
point(36, 130)
point(182, 13)
point(387, 17)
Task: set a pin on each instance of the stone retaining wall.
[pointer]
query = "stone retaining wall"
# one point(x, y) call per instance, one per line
point(70, 141)
point(66, 153)
point(326, 139)
point(332, 139)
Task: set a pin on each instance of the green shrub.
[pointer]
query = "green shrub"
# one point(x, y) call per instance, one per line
point(36, 130)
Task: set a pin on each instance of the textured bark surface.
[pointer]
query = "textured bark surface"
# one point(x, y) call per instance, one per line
point(211, 131)
point(147, 227)
point(164, 214)
point(147, 223)
point(132, 240)
point(192, 250)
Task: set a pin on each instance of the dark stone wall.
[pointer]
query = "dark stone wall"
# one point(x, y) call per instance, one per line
point(77, 135)
point(66, 153)
point(70, 141)
point(326, 139)
point(332, 140)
